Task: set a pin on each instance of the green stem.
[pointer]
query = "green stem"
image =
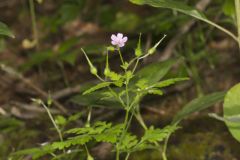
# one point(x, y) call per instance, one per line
point(220, 28)
point(34, 24)
point(120, 54)
point(89, 157)
point(89, 117)
point(135, 67)
point(127, 156)
point(117, 154)
point(127, 95)
point(164, 153)
point(140, 120)
point(53, 121)
point(237, 8)
point(122, 134)
point(126, 120)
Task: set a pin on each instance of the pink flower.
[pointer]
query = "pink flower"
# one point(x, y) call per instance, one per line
point(118, 40)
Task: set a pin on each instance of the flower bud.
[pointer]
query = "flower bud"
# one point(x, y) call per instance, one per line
point(107, 72)
point(93, 70)
point(151, 50)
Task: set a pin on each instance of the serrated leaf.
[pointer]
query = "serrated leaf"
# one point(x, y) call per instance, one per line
point(142, 84)
point(97, 87)
point(97, 128)
point(157, 135)
point(110, 135)
point(118, 83)
point(199, 104)
point(128, 142)
point(125, 65)
point(4, 30)
point(152, 137)
point(78, 140)
point(231, 108)
point(114, 76)
point(36, 153)
point(128, 76)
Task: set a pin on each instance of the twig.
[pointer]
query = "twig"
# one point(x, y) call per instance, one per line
point(66, 92)
point(71, 90)
point(28, 82)
point(32, 108)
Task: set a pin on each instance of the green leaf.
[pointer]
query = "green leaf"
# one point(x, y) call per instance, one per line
point(97, 87)
point(231, 108)
point(152, 137)
point(155, 91)
point(128, 142)
point(114, 76)
point(78, 140)
point(4, 30)
point(110, 135)
point(74, 117)
point(100, 131)
point(37, 58)
point(229, 7)
point(172, 4)
point(36, 153)
point(60, 120)
point(169, 82)
point(125, 65)
point(97, 128)
point(141, 84)
point(199, 104)
point(153, 72)
point(157, 135)
point(183, 8)
point(95, 99)
point(128, 76)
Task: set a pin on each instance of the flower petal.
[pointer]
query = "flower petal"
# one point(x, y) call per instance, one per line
point(124, 39)
point(121, 44)
point(120, 35)
point(114, 43)
point(114, 37)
